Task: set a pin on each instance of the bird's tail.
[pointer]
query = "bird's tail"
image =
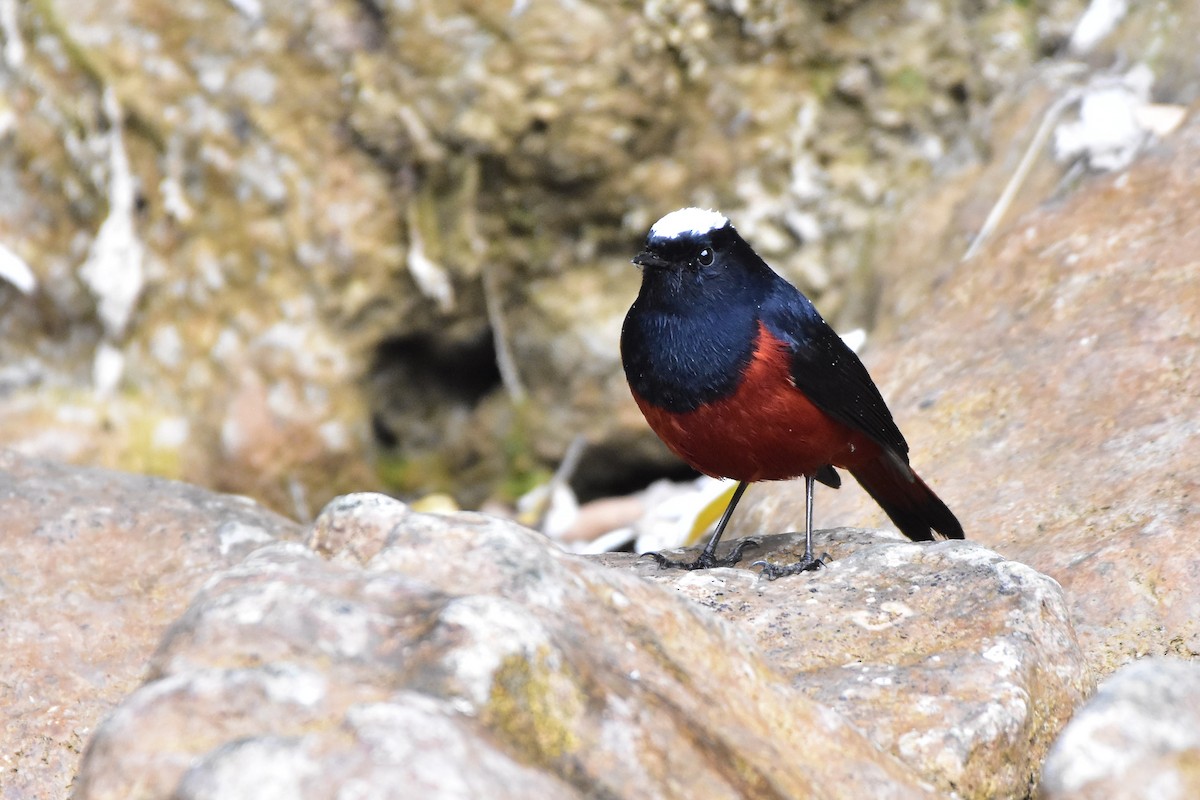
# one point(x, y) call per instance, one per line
point(901, 493)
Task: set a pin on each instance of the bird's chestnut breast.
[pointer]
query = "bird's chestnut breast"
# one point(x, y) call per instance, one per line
point(765, 429)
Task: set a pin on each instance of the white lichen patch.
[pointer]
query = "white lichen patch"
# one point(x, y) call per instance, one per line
point(286, 683)
point(488, 631)
point(1005, 655)
point(888, 614)
point(265, 768)
point(15, 271)
point(113, 270)
point(234, 533)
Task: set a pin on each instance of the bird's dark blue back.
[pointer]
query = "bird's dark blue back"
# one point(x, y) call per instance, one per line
point(739, 375)
point(693, 330)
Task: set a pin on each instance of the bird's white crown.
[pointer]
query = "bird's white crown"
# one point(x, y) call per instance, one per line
point(694, 221)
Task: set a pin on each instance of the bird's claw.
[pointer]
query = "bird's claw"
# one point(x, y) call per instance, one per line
point(807, 564)
point(706, 560)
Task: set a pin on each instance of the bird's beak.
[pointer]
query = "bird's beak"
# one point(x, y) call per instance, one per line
point(648, 258)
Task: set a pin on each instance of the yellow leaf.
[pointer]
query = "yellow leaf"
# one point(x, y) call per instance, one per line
point(709, 513)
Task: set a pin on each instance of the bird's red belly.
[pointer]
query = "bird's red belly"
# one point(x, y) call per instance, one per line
point(766, 430)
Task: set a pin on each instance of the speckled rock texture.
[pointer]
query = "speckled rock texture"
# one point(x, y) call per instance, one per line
point(1050, 396)
point(1137, 739)
point(94, 565)
point(446, 652)
point(956, 660)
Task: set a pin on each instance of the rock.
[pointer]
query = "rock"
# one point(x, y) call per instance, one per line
point(355, 527)
point(449, 651)
point(93, 567)
point(1138, 737)
point(474, 644)
point(957, 661)
point(1048, 390)
point(407, 746)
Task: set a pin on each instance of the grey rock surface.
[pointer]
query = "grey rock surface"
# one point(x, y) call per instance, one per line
point(956, 660)
point(528, 661)
point(1138, 737)
point(900, 670)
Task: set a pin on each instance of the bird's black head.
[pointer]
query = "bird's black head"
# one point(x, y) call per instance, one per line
point(694, 249)
point(687, 239)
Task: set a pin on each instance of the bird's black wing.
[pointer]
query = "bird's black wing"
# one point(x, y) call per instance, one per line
point(828, 371)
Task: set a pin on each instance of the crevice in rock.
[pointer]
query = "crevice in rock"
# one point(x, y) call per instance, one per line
point(620, 468)
point(417, 381)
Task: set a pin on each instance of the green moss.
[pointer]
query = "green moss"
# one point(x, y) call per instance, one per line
point(442, 213)
point(114, 433)
point(534, 705)
point(823, 76)
point(908, 87)
point(97, 70)
point(502, 464)
point(521, 475)
point(141, 454)
point(522, 469)
point(408, 475)
point(517, 484)
point(80, 58)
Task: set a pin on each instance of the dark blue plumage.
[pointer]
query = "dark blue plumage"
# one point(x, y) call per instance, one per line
point(737, 372)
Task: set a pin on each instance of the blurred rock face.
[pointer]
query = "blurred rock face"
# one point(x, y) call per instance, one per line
point(1050, 397)
point(1138, 737)
point(266, 235)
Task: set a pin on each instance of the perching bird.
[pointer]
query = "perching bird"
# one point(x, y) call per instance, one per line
point(739, 375)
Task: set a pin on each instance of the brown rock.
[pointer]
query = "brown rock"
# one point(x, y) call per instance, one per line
point(408, 746)
point(957, 661)
point(93, 567)
point(467, 650)
point(1049, 391)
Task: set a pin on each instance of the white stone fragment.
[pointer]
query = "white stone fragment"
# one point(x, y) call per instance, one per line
point(14, 270)
point(113, 270)
point(1097, 22)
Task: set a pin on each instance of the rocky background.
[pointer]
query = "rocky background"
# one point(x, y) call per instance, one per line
point(291, 250)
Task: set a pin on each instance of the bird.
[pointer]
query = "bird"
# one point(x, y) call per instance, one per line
point(740, 376)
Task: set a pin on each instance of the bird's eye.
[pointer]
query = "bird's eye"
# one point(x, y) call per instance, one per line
point(705, 257)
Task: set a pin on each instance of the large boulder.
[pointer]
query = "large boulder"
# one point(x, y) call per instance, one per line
point(958, 661)
point(404, 650)
point(94, 565)
point(1137, 739)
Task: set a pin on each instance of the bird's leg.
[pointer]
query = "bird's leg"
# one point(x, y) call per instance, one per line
point(708, 557)
point(808, 562)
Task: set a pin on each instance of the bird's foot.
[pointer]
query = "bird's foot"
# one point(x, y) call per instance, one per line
point(706, 560)
point(807, 564)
